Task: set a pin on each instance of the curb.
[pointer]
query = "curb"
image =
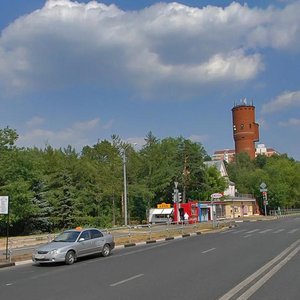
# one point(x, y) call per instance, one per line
point(25, 262)
point(128, 245)
point(7, 264)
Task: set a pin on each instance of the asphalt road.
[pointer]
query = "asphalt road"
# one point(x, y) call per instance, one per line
point(256, 260)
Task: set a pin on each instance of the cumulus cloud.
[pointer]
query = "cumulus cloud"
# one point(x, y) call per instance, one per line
point(198, 138)
point(75, 135)
point(69, 43)
point(35, 121)
point(284, 101)
point(291, 122)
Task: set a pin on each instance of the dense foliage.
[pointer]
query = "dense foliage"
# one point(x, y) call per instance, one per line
point(280, 173)
point(52, 189)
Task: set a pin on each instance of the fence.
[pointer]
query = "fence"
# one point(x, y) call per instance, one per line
point(20, 248)
point(283, 212)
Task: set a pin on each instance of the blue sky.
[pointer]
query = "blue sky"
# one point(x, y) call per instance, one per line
point(75, 72)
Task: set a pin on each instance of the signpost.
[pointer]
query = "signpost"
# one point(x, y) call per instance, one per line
point(213, 207)
point(176, 200)
point(263, 189)
point(3, 205)
point(4, 210)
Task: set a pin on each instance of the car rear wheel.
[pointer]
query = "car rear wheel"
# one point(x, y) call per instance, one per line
point(70, 258)
point(106, 250)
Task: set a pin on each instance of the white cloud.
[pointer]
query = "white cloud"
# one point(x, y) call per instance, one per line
point(198, 138)
point(109, 124)
point(136, 142)
point(286, 100)
point(75, 135)
point(82, 126)
point(68, 43)
point(290, 123)
point(35, 121)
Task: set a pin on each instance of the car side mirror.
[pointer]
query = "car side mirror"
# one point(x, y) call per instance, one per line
point(81, 240)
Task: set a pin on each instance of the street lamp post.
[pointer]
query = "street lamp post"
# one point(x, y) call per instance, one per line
point(125, 183)
point(176, 200)
point(125, 188)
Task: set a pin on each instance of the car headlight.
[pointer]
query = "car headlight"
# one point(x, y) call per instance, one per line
point(53, 252)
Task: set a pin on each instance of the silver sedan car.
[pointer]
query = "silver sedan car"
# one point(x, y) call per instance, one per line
point(71, 244)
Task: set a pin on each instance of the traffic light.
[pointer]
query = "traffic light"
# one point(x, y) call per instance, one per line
point(179, 197)
point(174, 195)
point(265, 196)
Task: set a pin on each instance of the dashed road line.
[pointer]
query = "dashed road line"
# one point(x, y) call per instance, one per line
point(251, 231)
point(266, 230)
point(209, 250)
point(126, 280)
point(239, 231)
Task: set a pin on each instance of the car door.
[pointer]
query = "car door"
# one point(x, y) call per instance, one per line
point(85, 243)
point(98, 240)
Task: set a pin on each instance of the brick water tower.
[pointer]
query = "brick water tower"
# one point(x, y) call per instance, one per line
point(245, 129)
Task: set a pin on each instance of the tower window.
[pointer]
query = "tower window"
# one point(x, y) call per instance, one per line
point(242, 126)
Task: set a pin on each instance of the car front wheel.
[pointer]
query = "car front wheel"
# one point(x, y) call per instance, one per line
point(106, 250)
point(70, 258)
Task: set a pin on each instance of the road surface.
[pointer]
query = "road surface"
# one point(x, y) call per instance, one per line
point(255, 260)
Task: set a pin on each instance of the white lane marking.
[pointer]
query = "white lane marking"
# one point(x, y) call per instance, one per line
point(266, 277)
point(239, 231)
point(260, 271)
point(9, 284)
point(279, 230)
point(248, 235)
point(293, 230)
point(251, 231)
point(264, 231)
point(212, 249)
point(227, 231)
point(126, 280)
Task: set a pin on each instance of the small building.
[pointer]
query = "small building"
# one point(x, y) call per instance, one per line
point(161, 214)
point(229, 208)
point(189, 209)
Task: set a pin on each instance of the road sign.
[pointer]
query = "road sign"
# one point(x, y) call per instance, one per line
point(216, 195)
point(263, 185)
point(4, 205)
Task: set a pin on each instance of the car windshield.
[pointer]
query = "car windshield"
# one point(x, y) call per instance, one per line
point(67, 236)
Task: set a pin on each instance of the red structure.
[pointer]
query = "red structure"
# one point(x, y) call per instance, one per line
point(191, 208)
point(245, 129)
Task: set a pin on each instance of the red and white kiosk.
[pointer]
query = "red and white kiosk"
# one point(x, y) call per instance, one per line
point(190, 208)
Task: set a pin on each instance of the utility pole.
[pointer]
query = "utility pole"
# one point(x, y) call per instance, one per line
point(125, 188)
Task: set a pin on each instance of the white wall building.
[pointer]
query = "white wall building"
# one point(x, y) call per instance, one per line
point(220, 166)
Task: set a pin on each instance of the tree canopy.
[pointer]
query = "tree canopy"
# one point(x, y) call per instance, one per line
point(57, 188)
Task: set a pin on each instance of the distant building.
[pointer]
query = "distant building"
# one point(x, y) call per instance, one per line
point(228, 154)
point(262, 150)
